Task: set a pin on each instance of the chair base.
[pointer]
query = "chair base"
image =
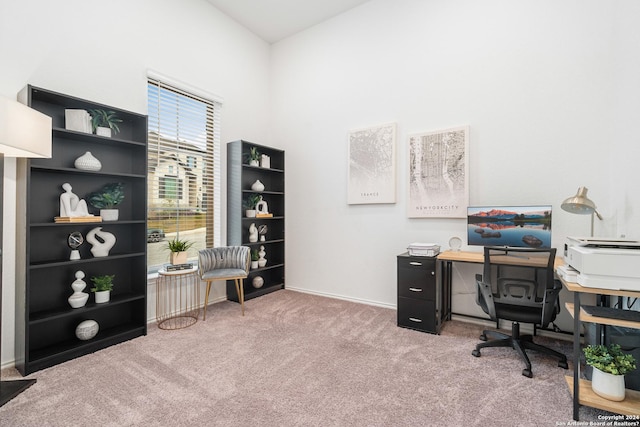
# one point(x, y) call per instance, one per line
point(519, 343)
point(239, 290)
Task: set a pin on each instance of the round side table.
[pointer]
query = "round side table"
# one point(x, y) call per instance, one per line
point(177, 298)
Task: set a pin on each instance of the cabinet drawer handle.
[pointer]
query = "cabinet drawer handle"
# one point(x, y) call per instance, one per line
point(415, 263)
point(413, 319)
point(415, 289)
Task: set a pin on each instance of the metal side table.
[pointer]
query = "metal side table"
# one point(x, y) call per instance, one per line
point(177, 298)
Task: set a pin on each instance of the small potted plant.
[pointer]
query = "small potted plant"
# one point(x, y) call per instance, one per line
point(254, 259)
point(178, 249)
point(104, 122)
point(254, 157)
point(249, 205)
point(103, 285)
point(110, 196)
point(610, 364)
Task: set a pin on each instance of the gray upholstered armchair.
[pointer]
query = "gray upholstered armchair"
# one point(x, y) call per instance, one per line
point(224, 263)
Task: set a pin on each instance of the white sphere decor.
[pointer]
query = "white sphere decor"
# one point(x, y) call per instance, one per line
point(258, 281)
point(87, 330)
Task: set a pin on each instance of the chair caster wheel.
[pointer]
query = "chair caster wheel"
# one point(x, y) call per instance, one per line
point(476, 353)
point(527, 373)
point(483, 337)
point(563, 364)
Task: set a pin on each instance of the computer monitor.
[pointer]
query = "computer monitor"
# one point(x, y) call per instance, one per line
point(519, 226)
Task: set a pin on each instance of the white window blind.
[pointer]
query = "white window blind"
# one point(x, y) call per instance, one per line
point(184, 167)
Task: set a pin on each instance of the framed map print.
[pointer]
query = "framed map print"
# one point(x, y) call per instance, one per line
point(372, 165)
point(439, 174)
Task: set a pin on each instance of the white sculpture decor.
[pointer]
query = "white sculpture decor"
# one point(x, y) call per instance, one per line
point(78, 298)
point(253, 233)
point(257, 282)
point(262, 209)
point(262, 261)
point(71, 205)
point(101, 242)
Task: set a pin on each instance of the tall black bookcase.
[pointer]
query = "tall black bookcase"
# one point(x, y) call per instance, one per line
point(240, 178)
point(45, 322)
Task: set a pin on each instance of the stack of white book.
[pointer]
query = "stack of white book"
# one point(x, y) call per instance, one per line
point(78, 120)
point(423, 249)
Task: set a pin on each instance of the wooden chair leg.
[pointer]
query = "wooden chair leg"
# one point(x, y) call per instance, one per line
point(206, 301)
point(240, 292)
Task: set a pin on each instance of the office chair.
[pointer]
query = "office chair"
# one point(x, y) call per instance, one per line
point(224, 263)
point(518, 284)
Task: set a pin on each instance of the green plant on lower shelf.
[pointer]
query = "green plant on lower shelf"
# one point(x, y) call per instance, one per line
point(610, 359)
point(254, 255)
point(102, 283)
point(110, 196)
point(251, 201)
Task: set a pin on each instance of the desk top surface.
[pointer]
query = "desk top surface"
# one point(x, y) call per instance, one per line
point(478, 257)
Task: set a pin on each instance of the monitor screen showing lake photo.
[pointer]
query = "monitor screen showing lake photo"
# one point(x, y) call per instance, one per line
point(519, 226)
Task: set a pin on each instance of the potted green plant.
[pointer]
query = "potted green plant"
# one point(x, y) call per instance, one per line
point(104, 122)
point(178, 249)
point(610, 364)
point(103, 285)
point(254, 259)
point(110, 196)
point(254, 157)
point(249, 205)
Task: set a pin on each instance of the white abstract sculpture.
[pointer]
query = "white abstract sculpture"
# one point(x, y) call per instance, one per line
point(78, 298)
point(253, 233)
point(71, 205)
point(262, 207)
point(101, 242)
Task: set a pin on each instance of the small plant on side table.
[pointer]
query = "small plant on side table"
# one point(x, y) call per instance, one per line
point(178, 249)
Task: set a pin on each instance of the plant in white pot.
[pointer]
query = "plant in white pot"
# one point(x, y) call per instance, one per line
point(178, 249)
point(610, 364)
point(110, 196)
point(254, 259)
point(103, 285)
point(104, 123)
point(253, 157)
point(249, 205)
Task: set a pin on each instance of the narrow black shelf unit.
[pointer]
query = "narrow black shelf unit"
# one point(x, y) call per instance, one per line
point(45, 322)
point(240, 178)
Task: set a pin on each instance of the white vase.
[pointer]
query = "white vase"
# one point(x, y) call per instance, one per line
point(103, 131)
point(607, 385)
point(109, 214)
point(254, 265)
point(87, 162)
point(102, 296)
point(257, 186)
point(251, 213)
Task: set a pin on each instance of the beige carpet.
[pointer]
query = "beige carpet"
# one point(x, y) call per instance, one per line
point(297, 360)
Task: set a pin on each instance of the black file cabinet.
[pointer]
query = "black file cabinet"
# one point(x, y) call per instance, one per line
point(419, 299)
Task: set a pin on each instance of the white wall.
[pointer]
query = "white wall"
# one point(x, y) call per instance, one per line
point(102, 52)
point(545, 86)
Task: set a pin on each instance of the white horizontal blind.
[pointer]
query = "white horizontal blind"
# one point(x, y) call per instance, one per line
point(183, 162)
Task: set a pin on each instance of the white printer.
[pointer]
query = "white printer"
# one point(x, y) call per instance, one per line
point(608, 264)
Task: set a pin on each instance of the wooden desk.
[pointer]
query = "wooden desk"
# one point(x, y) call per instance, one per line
point(447, 258)
point(581, 389)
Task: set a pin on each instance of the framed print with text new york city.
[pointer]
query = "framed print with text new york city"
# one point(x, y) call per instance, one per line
point(439, 174)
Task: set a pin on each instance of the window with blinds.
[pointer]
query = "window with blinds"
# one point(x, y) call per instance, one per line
point(183, 164)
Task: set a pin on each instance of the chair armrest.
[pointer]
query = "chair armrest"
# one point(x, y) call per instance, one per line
point(484, 297)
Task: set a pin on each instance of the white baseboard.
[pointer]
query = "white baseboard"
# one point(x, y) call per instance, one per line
point(342, 297)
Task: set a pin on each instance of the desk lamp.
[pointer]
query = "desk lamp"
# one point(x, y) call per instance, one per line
point(24, 132)
point(580, 204)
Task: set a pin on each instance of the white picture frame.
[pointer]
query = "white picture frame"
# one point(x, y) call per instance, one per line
point(439, 174)
point(372, 165)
